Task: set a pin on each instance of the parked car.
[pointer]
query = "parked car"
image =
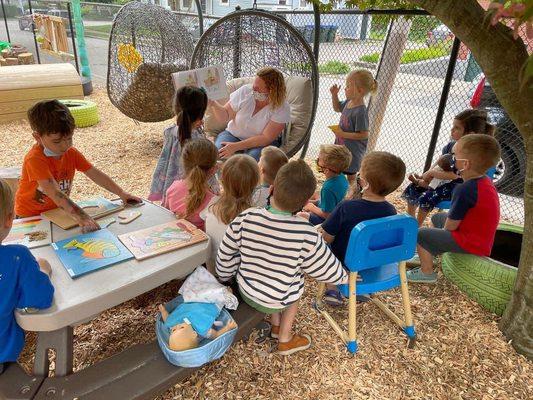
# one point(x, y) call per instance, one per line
point(511, 170)
point(439, 35)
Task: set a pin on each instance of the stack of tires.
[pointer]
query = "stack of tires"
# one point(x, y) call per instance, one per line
point(488, 280)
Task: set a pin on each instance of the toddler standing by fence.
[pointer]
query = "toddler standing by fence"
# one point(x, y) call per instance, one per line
point(352, 130)
point(239, 178)
point(188, 197)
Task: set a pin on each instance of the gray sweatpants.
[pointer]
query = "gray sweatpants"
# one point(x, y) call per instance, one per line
point(438, 240)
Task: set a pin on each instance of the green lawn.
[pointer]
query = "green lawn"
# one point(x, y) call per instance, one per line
point(98, 30)
point(411, 56)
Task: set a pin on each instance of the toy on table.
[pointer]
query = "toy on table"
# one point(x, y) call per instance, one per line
point(195, 318)
point(125, 217)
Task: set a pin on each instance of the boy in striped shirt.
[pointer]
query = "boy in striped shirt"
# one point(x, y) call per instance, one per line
point(269, 249)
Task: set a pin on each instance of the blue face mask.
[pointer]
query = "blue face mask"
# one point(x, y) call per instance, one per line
point(49, 153)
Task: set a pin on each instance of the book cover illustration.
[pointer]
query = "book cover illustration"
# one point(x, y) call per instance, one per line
point(90, 252)
point(30, 232)
point(162, 238)
point(211, 79)
point(96, 208)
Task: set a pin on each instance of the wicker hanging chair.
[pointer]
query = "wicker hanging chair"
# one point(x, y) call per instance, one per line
point(147, 44)
point(247, 40)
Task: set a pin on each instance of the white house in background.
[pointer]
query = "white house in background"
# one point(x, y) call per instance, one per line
point(349, 26)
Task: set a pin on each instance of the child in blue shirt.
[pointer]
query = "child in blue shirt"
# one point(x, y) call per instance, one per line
point(332, 161)
point(24, 282)
point(381, 173)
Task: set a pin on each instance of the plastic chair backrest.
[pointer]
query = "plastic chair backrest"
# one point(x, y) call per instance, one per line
point(381, 241)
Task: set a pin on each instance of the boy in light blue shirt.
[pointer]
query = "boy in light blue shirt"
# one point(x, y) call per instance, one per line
point(332, 160)
point(24, 282)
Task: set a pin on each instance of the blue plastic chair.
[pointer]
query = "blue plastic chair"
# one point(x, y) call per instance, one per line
point(375, 258)
point(446, 204)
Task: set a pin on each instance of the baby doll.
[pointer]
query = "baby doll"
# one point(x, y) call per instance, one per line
point(444, 163)
point(189, 322)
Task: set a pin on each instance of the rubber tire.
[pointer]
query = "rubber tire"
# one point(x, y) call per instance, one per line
point(85, 112)
point(485, 280)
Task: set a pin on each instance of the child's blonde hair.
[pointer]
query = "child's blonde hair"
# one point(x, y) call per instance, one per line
point(6, 200)
point(295, 183)
point(336, 157)
point(240, 175)
point(483, 151)
point(272, 159)
point(364, 79)
point(383, 171)
point(198, 156)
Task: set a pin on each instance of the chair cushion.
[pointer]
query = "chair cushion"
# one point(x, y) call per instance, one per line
point(299, 96)
point(375, 280)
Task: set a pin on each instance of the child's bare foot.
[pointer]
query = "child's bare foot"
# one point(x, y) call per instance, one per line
point(413, 179)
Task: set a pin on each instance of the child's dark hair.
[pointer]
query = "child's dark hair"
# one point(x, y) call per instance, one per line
point(51, 117)
point(383, 171)
point(475, 121)
point(190, 104)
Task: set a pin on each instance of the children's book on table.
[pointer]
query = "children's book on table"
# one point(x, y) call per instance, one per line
point(162, 238)
point(30, 232)
point(96, 208)
point(90, 252)
point(211, 79)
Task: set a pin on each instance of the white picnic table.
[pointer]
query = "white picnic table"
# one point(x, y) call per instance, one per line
point(80, 299)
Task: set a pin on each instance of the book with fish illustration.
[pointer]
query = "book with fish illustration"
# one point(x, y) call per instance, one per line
point(96, 208)
point(91, 251)
point(211, 79)
point(30, 232)
point(162, 238)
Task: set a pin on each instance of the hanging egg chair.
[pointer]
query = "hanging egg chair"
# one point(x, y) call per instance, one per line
point(147, 44)
point(245, 41)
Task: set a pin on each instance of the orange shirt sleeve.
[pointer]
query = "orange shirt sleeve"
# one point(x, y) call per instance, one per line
point(81, 162)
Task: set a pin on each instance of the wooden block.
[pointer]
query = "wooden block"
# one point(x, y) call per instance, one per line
point(39, 75)
point(3, 61)
point(12, 61)
point(6, 53)
point(25, 58)
point(125, 217)
point(12, 176)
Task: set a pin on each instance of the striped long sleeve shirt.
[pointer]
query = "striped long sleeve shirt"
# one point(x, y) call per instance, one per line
point(270, 253)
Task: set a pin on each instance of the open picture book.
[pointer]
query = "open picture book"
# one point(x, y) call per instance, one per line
point(211, 79)
point(96, 208)
point(90, 252)
point(162, 238)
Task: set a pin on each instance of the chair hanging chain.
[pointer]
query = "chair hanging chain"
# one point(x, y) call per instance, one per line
point(255, 5)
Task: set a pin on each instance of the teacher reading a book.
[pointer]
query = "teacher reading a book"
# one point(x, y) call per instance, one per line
point(256, 115)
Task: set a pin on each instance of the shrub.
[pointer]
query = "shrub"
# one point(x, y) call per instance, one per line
point(411, 56)
point(334, 67)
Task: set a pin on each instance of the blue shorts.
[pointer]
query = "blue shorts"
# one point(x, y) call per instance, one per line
point(426, 198)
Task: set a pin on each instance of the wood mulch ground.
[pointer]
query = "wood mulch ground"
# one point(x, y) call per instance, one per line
point(460, 353)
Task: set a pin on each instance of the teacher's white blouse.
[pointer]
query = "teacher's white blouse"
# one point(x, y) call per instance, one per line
point(244, 125)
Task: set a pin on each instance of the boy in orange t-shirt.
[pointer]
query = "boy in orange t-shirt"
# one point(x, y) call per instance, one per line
point(49, 167)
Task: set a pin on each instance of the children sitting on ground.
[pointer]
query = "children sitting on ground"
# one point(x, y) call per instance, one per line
point(24, 283)
point(269, 249)
point(352, 130)
point(189, 196)
point(381, 173)
point(470, 225)
point(239, 178)
point(425, 199)
point(271, 160)
point(50, 165)
point(332, 160)
point(190, 104)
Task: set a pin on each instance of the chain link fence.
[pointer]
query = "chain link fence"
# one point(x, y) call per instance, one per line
point(421, 88)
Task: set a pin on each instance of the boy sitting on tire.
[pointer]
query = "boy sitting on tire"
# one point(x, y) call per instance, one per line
point(470, 225)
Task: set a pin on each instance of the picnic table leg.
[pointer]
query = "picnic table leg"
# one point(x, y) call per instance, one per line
point(62, 342)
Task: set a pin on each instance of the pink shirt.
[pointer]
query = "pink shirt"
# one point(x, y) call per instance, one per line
point(175, 202)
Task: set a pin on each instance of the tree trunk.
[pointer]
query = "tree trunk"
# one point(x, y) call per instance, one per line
point(501, 57)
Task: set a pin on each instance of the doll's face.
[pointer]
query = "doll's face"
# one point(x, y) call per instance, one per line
point(182, 337)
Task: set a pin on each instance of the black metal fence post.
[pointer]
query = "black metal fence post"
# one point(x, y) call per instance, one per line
point(316, 38)
point(442, 103)
point(200, 17)
point(5, 21)
point(33, 32)
point(72, 35)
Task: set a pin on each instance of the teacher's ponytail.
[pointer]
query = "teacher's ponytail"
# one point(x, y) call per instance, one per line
point(189, 105)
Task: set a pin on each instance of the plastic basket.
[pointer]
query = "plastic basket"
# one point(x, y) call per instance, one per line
point(207, 351)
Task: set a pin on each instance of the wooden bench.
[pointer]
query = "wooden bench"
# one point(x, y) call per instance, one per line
point(21, 86)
